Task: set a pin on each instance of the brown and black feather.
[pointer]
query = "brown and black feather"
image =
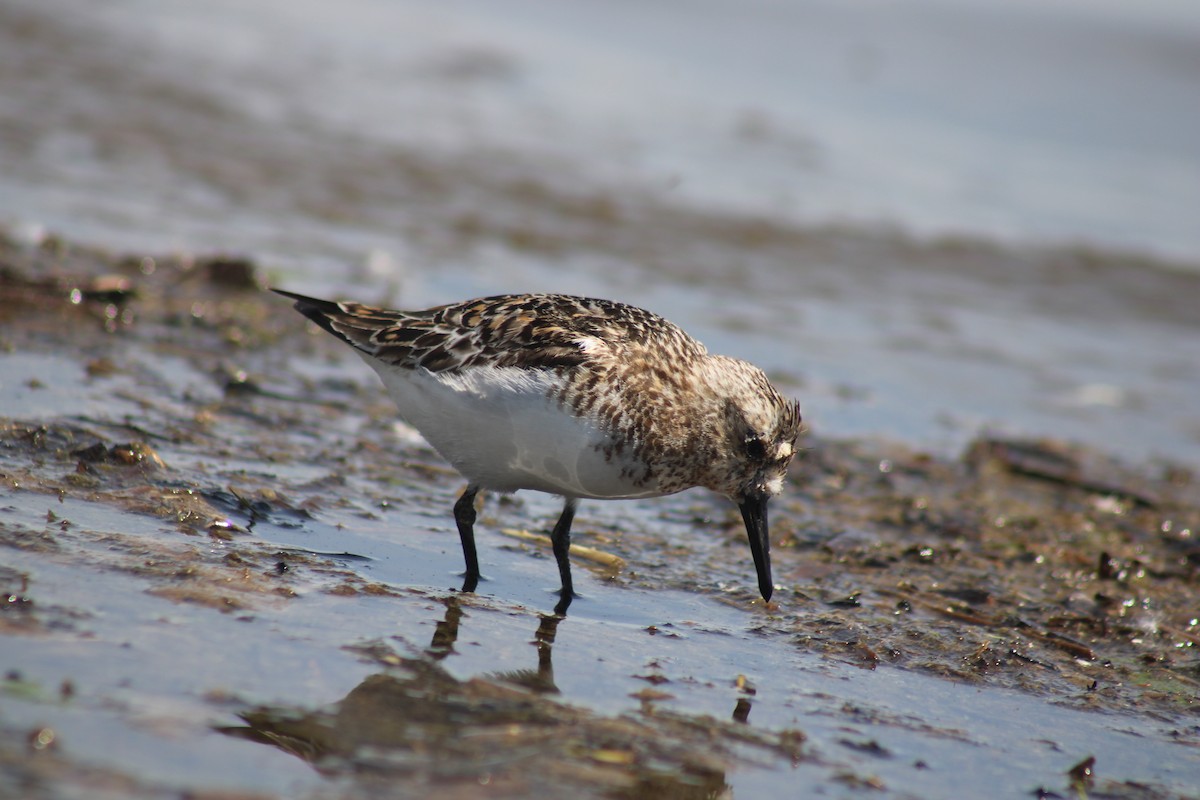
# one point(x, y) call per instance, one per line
point(529, 331)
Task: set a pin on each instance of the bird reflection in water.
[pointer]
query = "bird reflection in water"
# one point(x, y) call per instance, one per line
point(416, 727)
point(540, 680)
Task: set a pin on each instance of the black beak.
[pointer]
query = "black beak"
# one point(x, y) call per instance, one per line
point(754, 512)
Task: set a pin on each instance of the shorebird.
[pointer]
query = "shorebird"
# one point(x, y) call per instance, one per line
point(578, 397)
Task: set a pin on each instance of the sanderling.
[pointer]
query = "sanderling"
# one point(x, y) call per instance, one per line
point(577, 397)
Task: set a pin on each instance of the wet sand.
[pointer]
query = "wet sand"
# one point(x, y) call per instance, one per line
point(965, 238)
point(231, 576)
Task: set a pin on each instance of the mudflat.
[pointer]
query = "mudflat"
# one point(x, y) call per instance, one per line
point(228, 571)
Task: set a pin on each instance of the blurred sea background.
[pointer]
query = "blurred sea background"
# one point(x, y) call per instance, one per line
point(926, 219)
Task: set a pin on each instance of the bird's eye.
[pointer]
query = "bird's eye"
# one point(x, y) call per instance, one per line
point(755, 448)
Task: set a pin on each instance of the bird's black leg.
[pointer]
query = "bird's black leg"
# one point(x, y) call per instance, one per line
point(464, 515)
point(561, 540)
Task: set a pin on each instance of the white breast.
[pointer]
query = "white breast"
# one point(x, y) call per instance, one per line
point(500, 430)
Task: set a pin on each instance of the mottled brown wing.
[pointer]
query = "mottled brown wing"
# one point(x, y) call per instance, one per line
point(538, 331)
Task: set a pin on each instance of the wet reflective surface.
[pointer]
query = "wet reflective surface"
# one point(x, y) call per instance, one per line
point(227, 570)
point(393, 690)
point(263, 579)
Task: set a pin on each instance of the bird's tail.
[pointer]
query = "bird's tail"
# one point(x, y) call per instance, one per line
point(353, 323)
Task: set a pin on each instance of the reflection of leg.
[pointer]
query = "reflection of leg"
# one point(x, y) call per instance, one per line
point(544, 639)
point(446, 632)
point(464, 516)
point(561, 541)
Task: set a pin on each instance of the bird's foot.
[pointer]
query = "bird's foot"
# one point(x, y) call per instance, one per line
point(565, 596)
point(470, 581)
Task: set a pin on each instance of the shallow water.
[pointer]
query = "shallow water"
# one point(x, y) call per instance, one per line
point(929, 118)
point(150, 700)
point(924, 222)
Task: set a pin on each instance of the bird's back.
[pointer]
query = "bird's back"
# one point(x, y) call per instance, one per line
point(529, 331)
point(523, 391)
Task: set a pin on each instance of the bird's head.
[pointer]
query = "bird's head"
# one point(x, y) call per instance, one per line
point(758, 432)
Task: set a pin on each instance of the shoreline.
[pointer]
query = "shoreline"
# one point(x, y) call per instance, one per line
point(179, 458)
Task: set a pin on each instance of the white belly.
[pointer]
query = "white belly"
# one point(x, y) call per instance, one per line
point(499, 429)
